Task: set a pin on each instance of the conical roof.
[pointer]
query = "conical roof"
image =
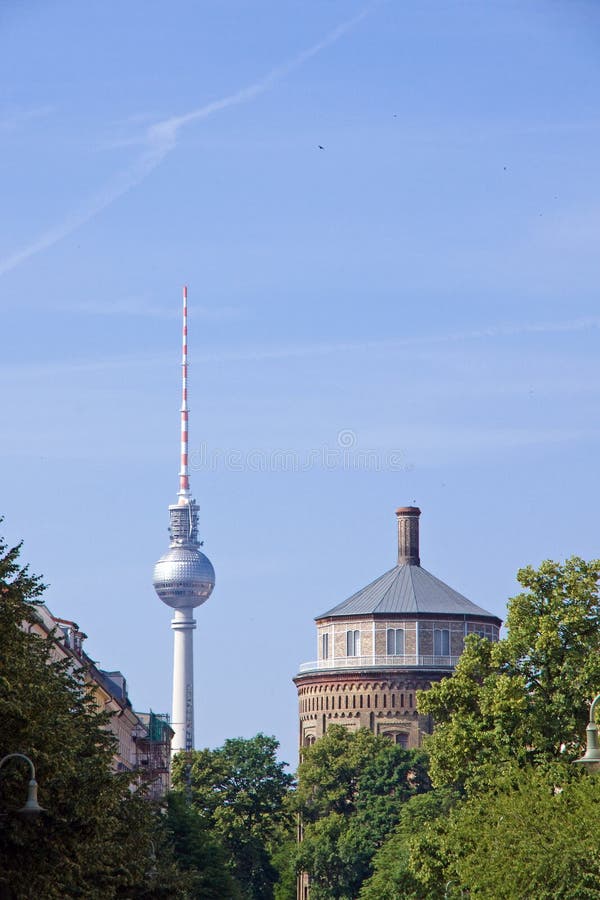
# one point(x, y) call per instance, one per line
point(407, 589)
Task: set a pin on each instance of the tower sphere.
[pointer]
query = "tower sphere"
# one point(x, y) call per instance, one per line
point(183, 577)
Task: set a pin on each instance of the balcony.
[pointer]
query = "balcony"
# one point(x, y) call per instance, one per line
point(379, 662)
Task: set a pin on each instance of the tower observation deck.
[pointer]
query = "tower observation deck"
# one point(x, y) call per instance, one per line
point(183, 579)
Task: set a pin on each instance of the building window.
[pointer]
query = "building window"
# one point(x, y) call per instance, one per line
point(441, 642)
point(325, 646)
point(353, 643)
point(395, 642)
point(402, 739)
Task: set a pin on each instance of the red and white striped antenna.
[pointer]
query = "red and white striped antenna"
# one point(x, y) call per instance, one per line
point(184, 481)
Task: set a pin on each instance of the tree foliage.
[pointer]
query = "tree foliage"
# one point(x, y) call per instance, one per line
point(524, 699)
point(239, 789)
point(537, 834)
point(198, 852)
point(97, 838)
point(510, 817)
point(284, 862)
point(351, 790)
point(411, 863)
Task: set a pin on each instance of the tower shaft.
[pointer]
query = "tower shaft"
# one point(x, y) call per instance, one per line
point(183, 625)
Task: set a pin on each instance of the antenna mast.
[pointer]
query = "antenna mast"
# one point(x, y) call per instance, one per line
point(184, 481)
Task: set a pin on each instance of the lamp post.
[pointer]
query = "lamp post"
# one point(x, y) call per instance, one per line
point(591, 757)
point(447, 889)
point(32, 807)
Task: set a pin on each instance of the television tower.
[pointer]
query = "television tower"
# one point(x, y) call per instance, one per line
point(183, 579)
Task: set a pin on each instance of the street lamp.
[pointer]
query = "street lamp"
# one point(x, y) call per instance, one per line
point(591, 757)
point(32, 807)
point(447, 889)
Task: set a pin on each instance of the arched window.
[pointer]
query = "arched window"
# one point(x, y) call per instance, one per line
point(398, 737)
point(353, 643)
point(395, 642)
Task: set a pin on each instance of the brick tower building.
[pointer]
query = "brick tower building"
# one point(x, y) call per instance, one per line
point(394, 637)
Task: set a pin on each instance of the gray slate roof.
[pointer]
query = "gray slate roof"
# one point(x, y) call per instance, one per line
point(407, 589)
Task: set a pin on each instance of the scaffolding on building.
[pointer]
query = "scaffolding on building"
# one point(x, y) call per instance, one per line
point(153, 751)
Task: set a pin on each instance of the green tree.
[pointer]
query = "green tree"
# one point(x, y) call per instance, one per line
point(411, 863)
point(97, 839)
point(524, 699)
point(351, 790)
point(240, 789)
point(284, 862)
point(199, 852)
point(537, 834)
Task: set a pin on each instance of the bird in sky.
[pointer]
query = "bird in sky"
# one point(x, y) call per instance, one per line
point(320, 147)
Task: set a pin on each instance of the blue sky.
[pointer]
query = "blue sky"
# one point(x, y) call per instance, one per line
point(423, 290)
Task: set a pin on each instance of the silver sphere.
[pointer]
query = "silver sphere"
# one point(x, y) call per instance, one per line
point(183, 577)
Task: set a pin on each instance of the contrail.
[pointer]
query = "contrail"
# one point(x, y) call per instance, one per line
point(161, 139)
point(28, 370)
point(416, 341)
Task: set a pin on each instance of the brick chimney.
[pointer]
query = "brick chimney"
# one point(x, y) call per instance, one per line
point(408, 535)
